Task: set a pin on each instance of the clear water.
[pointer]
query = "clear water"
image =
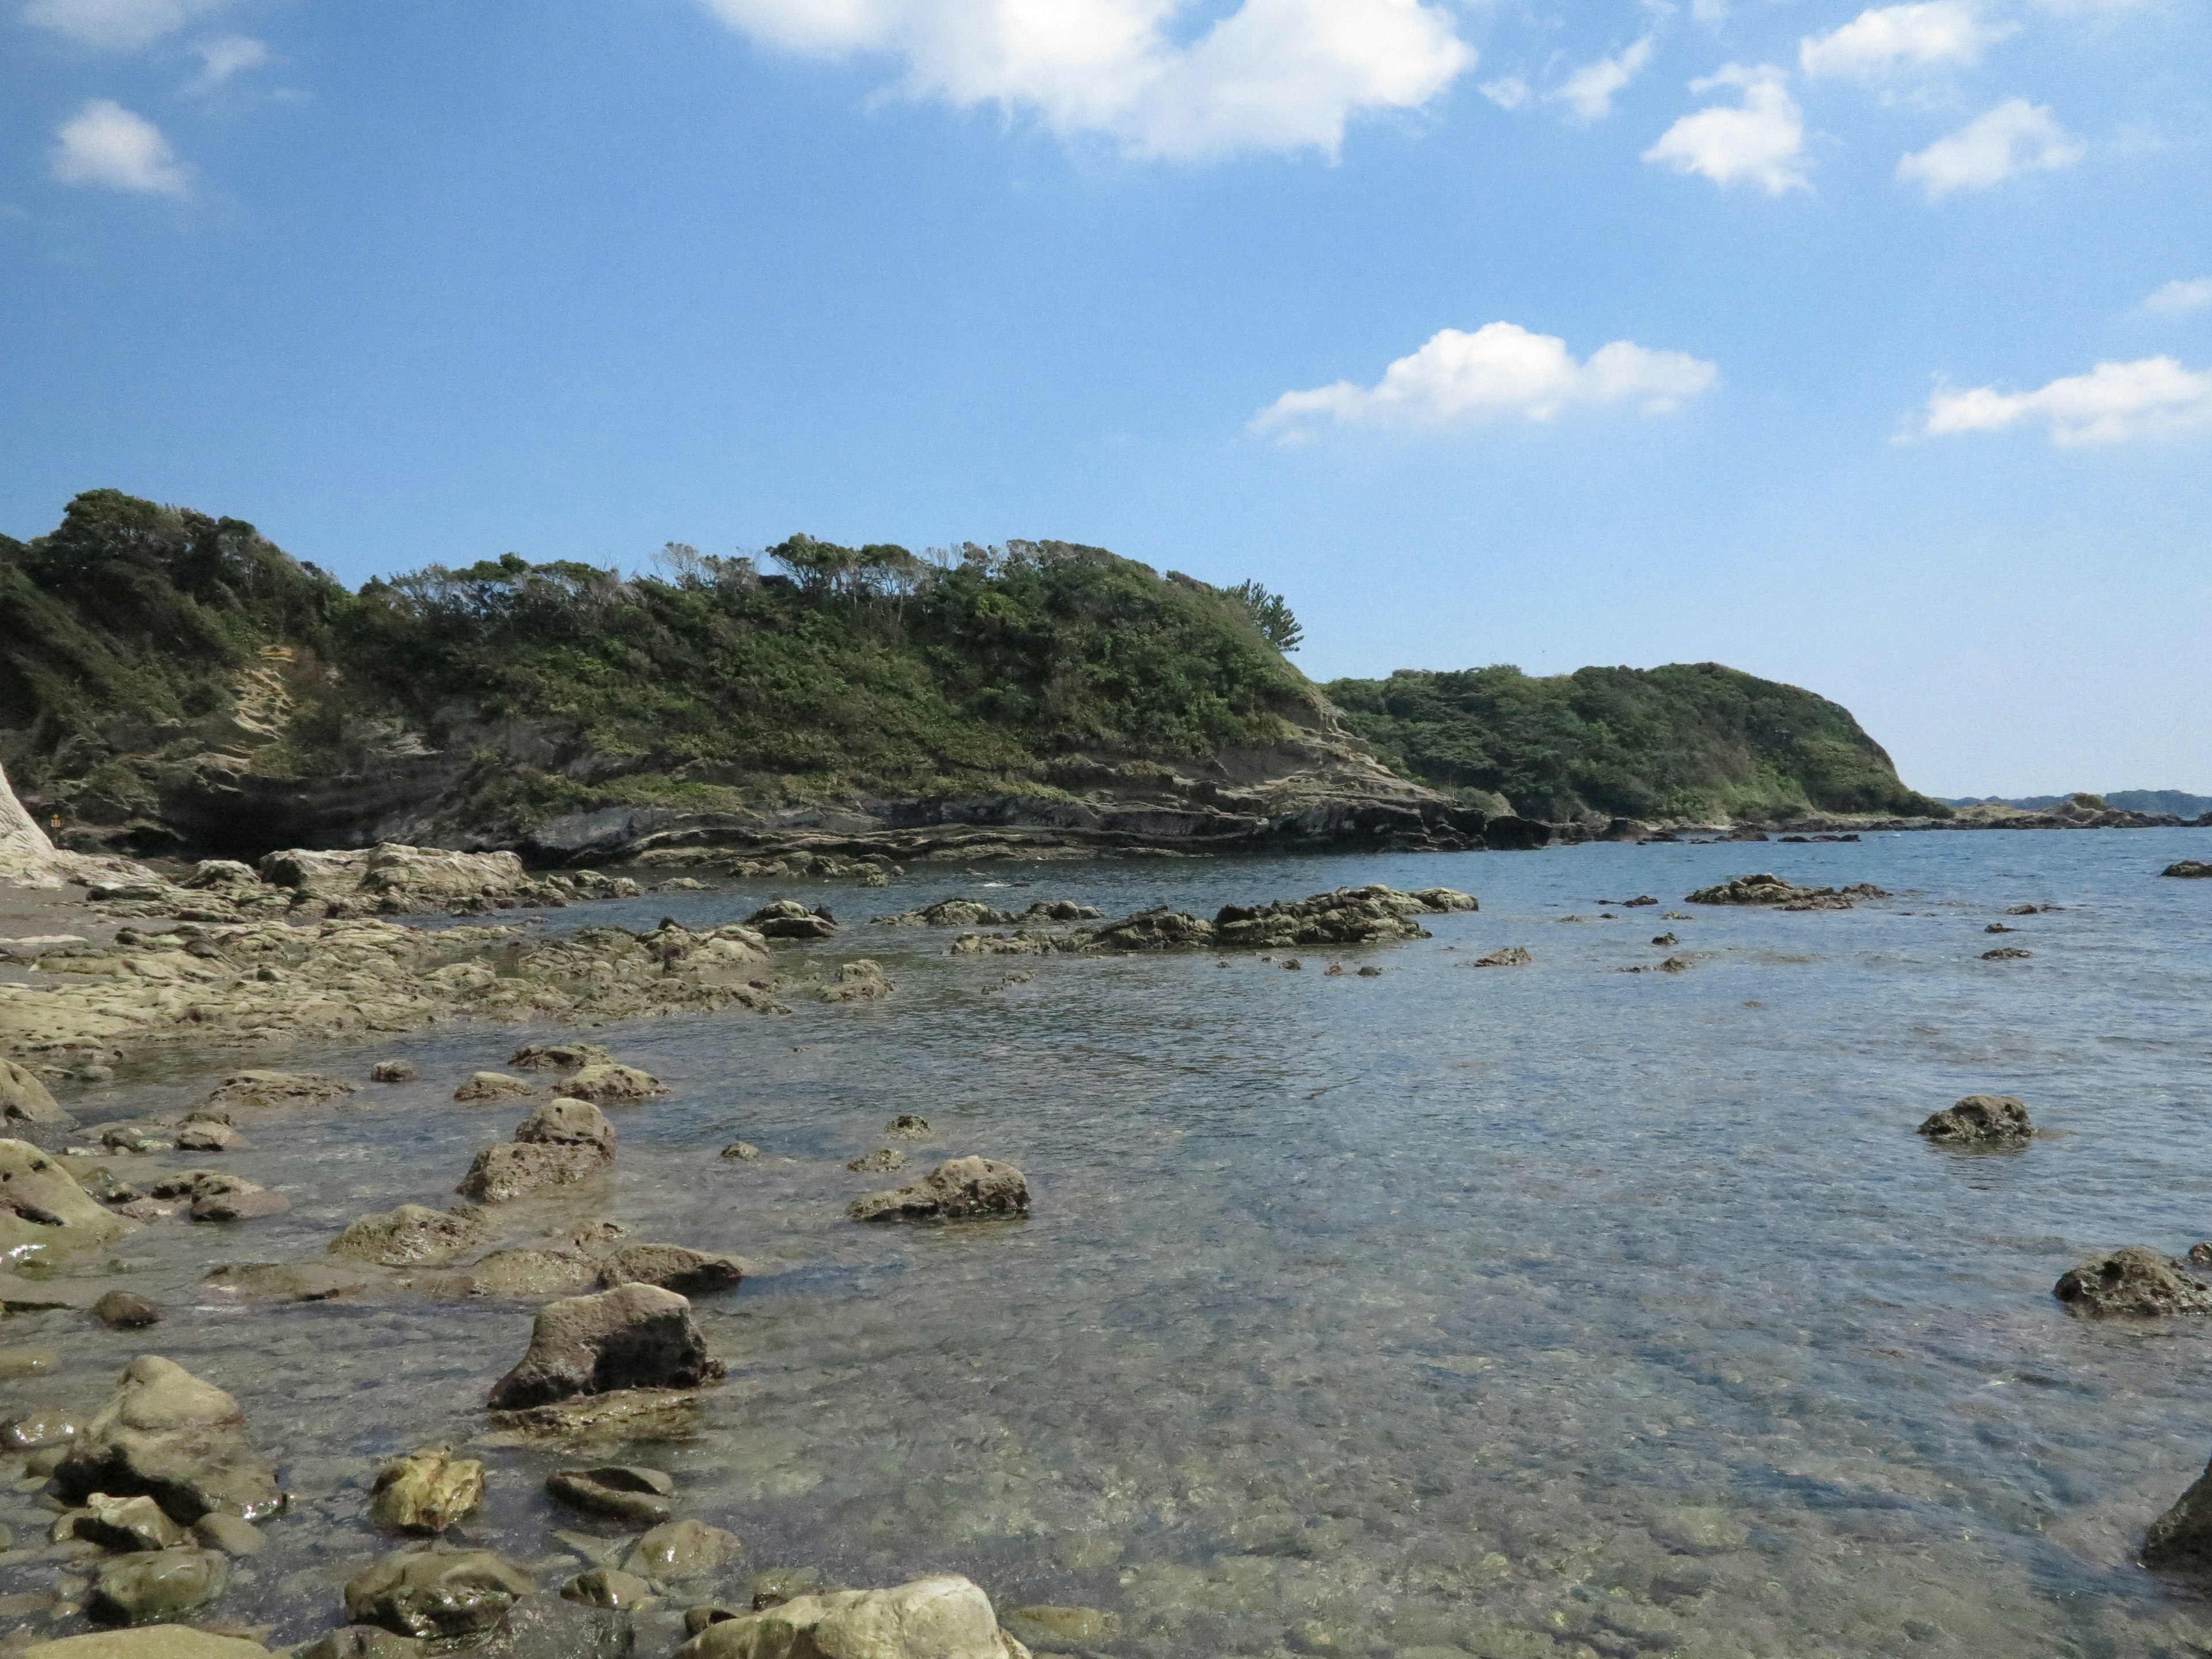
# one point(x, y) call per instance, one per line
point(1510, 1312)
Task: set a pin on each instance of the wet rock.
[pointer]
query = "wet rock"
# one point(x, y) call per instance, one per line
point(547, 1627)
point(559, 1056)
point(2189, 870)
point(432, 1592)
point(939, 1618)
point(204, 1135)
point(24, 1099)
point(859, 980)
point(289, 1281)
point(619, 1491)
point(168, 1436)
point(2132, 1280)
point(2181, 1537)
point(607, 1586)
point(502, 1174)
point(2007, 953)
point(672, 1267)
point(1512, 955)
point(909, 1125)
point(678, 1550)
point(227, 1532)
point(26, 1362)
point(361, 1642)
point(278, 1088)
point(1982, 1120)
point(29, 1430)
point(125, 1311)
point(136, 1138)
point(44, 1211)
point(598, 1419)
point(569, 1122)
point(961, 1188)
point(1673, 964)
point(393, 1071)
point(126, 1523)
point(146, 1641)
point(1772, 890)
point(532, 1270)
point(1999, 927)
point(789, 919)
point(741, 1151)
point(714, 1612)
point(233, 1198)
point(635, 1336)
point(412, 1235)
point(773, 1588)
point(426, 1491)
point(153, 1586)
point(493, 1085)
point(1085, 1627)
point(611, 1085)
point(879, 1162)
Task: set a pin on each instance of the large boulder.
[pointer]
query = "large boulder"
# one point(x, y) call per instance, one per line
point(2134, 1279)
point(431, 1592)
point(426, 1491)
point(44, 1211)
point(410, 1237)
point(168, 1436)
point(1981, 1120)
point(947, 1616)
point(635, 1336)
point(516, 1169)
point(958, 1189)
point(24, 1099)
point(570, 1121)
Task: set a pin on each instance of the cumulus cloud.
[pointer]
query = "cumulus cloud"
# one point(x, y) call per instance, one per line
point(1500, 372)
point(105, 144)
point(1884, 40)
point(2113, 403)
point(1589, 91)
point(2178, 296)
point(116, 25)
point(1760, 141)
point(1270, 75)
point(2017, 136)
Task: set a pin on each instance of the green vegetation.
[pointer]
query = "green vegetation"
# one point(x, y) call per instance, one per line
point(1694, 741)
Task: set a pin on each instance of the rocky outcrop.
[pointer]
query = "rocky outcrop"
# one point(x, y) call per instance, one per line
point(2189, 869)
point(433, 1593)
point(426, 1491)
point(635, 1336)
point(1981, 1120)
point(2133, 1280)
point(974, 913)
point(1773, 891)
point(958, 1189)
point(1350, 915)
point(947, 1616)
point(168, 1436)
point(789, 919)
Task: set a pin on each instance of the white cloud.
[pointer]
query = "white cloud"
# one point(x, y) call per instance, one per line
point(1500, 372)
point(2178, 296)
point(227, 55)
point(2111, 403)
point(116, 25)
point(1760, 141)
point(1884, 40)
point(1272, 75)
point(1508, 92)
point(2017, 136)
point(104, 143)
point(1589, 91)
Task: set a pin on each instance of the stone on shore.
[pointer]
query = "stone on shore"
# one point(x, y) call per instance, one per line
point(947, 1616)
point(278, 1088)
point(515, 1169)
point(2133, 1280)
point(493, 1085)
point(153, 1586)
point(24, 1099)
point(1981, 1120)
point(1772, 890)
point(426, 1491)
point(635, 1336)
point(619, 1491)
point(430, 1592)
point(611, 1085)
point(168, 1436)
point(42, 1209)
point(412, 1235)
point(672, 1267)
point(958, 1189)
point(145, 1641)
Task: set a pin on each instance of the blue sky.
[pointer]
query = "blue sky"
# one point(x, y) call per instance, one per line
point(1869, 350)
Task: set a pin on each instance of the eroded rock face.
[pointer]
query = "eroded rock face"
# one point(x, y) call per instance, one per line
point(1772, 890)
point(427, 1490)
point(410, 1236)
point(939, 1618)
point(44, 1211)
point(436, 1592)
point(635, 1336)
point(672, 1267)
point(24, 1099)
point(1981, 1120)
point(958, 1189)
point(168, 1436)
point(2133, 1280)
point(611, 1085)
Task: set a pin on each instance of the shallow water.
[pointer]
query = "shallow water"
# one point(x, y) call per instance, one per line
point(1511, 1312)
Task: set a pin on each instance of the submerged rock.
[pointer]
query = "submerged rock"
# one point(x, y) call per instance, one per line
point(2133, 1280)
point(532, 1270)
point(168, 1436)
point(909, 1125)
point(974, 913)
point(961, 1188)
point(290, 1281)
point(858, 980)
point(741, 1151)
point(1772, 890)
point(42, 1209)
point(493, 1085)
point(881, 1161)
point(607, 1586)
point(635, 1336)
point(430, 1592)
point(611, 1085)
point(672, 1267)
point(412, 1235)
point(125, 1311)
point(947, 1616)
point(676, 1550)
point(426, 1491)
point(559, 1056)
point(154, 1585)
point(2007, 953)
point(1084, 1627)
point(393, 1071)
point(619, 1491)
point(278, 1089)
point(1982, 1120)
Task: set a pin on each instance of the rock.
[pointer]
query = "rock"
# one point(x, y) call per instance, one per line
point(907, 1126)
point(1512, 955)
point(2134, 1279)
point(773, 1588)
point(635, 1336)
point(560, 1056)
point(360, 1642)
point(127, 1523)
point(146, 1641)
point(32, 1430)
point(393, 1071)
point(678, 1550)
point(1772, 890)
point(881, 1161)
point(278, 1088)
point(152, 1586)
point(2007, 953)
point(44, 1211)
point(168, 1436)
point(1087, 1627)
point(206, 1137)
point(426, 1491)
point(939, 1618)
point(672, 1267)
point(227, 1532)
point(532, 1272)
point(429, 1591)
point(289, 1281)
point(961, 1188)
point(619, 1491)
point(569, 1122)
point(861, 980)
point(2181, 1537)
point(2187, 870)
point(228, 1198)
point(412, 1235)
point(1444, 899)
point(607, 1586)
point(136, 1138)
point(125, 1311)
point(611, 1085)
point(1982, 1120)
point(501, 1173)
point(789, 919)
point(493, 1085)
point(743, 1152)
point(26, 1362)
point(598, 1419)
point(714, 1612)
point(24, 1099)
point(547, 1627)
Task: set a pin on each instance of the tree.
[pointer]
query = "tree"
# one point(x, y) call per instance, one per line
point(1270, 614)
